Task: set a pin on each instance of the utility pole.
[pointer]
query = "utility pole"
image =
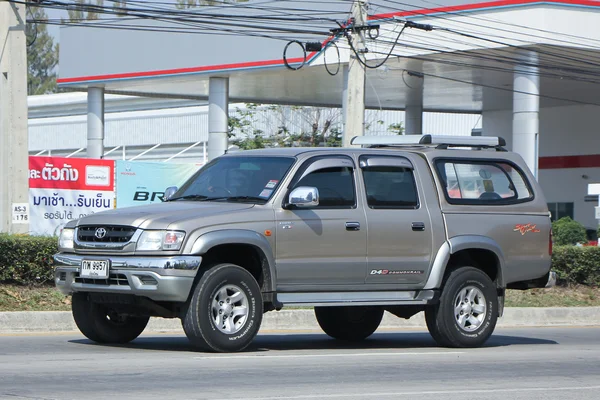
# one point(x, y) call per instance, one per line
point(14, 157)
point(354, 111)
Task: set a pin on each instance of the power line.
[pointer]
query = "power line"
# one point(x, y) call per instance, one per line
point(456, 11)
point(191, 22)
point(561, 71)
point(489, 86)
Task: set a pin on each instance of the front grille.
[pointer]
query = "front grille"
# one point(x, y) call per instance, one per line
point(113, 279)
point(105, 234)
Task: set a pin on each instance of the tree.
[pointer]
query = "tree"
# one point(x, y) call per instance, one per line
point(398, 128)
point(82, 10)
point(120, 7)
point(182, 4)
point(258, 127)
point(42, 55)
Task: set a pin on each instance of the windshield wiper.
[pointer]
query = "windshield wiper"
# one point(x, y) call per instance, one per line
point(237, 198)
point(198, 197)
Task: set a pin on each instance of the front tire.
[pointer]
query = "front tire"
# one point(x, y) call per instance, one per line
point(226, 309)
point(352, 323)
point(467, 312)
point(104, 325)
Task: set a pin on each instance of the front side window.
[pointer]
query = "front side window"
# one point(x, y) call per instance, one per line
point(236, 178)
point(483, 182)
point(335, 185)
point(390, 187)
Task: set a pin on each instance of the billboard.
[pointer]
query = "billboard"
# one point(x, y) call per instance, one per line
point(145, 182)
point(62, 189)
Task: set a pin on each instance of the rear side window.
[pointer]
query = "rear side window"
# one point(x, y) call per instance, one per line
point(390, 187)
point(483, 182)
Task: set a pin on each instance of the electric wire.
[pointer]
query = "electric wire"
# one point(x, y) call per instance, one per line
point(514, 62)
point(241, 25)
point(478, 84)
point(454, 11)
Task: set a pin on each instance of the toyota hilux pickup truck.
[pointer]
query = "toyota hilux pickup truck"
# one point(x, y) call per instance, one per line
point(402, 224)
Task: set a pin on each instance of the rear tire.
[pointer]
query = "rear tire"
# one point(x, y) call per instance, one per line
point(226, 309)
point(352, 323)
point(467, 312)
point(102, 324)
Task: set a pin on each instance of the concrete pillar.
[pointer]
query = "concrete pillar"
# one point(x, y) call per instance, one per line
point(95, 122)
point(413, 113)
point(14, 160)
point(354, 118)
point(526, 108)
point(218, 107)
point(344, 98)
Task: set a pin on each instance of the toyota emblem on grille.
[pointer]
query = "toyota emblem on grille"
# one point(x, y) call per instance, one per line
point(100, 233)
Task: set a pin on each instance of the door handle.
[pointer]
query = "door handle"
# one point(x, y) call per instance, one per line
point(418, 226)
point(353, 226)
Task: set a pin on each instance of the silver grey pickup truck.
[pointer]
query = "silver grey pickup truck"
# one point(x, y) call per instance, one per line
point(402, 224)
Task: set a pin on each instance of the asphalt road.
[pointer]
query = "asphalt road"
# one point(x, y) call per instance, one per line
point(526, 363)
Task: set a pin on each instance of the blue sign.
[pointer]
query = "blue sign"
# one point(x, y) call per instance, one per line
point(140, 183)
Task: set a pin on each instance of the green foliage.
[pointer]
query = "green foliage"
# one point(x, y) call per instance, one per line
point(42, 55)
point(565, 231)
point(577, 264)
point(321, 122)
point(182, 4)
point(120, 7)
point(82, 10)
point(398, 128)
point(27, 260)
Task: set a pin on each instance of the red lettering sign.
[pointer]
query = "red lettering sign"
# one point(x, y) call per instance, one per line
point(71, 173)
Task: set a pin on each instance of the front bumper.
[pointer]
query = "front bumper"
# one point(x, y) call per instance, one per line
point(168, 278)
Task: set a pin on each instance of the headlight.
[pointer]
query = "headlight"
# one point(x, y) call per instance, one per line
point(160, 240)
point(65, 241)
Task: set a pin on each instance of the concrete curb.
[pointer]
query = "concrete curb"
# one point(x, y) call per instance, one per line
point(62, 321)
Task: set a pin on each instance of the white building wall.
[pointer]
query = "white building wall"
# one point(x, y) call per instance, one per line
point(182, 125)
point(564, 131)
point(186, 125)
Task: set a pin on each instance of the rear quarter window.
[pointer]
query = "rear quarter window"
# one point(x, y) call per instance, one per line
point(483, 182)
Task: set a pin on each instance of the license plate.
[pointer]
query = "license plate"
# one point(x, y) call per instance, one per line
point(94, 269)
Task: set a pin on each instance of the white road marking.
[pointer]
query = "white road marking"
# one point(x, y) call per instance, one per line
point(431, 392)
point(330, 355)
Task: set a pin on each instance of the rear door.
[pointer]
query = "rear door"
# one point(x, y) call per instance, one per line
point(400, 235)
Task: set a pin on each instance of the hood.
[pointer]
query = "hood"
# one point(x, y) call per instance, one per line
point(161, 215)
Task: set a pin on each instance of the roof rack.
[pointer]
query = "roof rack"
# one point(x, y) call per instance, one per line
point(440, 141)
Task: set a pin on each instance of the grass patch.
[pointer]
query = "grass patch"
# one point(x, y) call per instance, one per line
point(23, 298)
point(573, 296)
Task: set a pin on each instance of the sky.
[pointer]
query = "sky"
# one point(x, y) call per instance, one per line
point(53, 29)
point(57, 14)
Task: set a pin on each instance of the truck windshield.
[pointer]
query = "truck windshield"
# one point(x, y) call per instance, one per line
point(251, 179)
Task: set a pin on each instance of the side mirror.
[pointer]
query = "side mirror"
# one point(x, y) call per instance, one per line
point(304, 197)
point(169, 192)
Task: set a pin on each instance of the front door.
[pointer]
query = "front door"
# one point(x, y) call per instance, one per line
point(326, 244)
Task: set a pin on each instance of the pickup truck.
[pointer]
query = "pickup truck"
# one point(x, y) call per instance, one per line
point(402, 224)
